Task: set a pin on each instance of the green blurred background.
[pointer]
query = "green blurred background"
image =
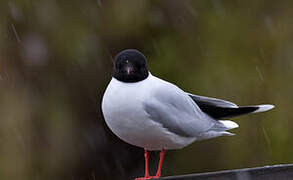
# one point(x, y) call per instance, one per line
point(56, 61)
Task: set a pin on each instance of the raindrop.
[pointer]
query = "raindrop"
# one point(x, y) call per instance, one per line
point(259, 73)
point(269, 23)
point(15, 12)
point(15, 33)
point(99, 3)
point(267, 138)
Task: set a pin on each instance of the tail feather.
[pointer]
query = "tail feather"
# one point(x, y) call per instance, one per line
point(263, 108)
point(213, 134)
point(229, 124)
point(226, 133)
point(228, 112)
point(221, 127)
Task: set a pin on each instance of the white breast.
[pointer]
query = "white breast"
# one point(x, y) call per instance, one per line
point(122, 107)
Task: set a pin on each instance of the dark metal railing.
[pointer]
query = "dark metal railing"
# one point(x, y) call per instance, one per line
point(276, 172)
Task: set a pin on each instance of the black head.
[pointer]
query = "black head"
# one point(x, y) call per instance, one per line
point(130, 66)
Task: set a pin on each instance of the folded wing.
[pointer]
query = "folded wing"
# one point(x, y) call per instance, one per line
point(221, 109)
point(176, 111)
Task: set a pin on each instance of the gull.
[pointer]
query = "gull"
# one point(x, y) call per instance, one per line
point(148, 112)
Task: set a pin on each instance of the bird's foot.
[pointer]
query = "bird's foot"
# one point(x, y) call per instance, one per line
point(155, 177)
point(142, 178)
point(145, 178)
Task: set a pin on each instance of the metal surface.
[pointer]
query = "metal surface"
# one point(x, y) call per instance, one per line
point(276, 172)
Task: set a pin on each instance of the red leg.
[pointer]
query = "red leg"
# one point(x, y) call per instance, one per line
point(158, 174)
point(146, 157)
point(162, 154)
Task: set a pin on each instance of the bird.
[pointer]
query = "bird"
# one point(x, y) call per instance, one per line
point(146, 111)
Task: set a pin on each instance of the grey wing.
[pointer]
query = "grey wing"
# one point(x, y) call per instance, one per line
point(221, 109)
point(175, 110)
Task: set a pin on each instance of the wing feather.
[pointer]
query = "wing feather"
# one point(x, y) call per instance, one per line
point(221, 109)
point(176, 111)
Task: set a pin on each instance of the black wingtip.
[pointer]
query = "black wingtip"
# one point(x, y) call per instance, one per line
point(226, 112)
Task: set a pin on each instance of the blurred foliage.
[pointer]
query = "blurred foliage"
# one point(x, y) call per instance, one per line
point(56, 61)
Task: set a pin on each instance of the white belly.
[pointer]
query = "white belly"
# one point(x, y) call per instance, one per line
point(131, 124)
point(145, 133)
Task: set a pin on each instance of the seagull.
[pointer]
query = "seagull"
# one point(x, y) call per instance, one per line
point(148, 112)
